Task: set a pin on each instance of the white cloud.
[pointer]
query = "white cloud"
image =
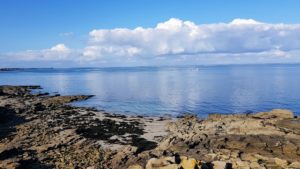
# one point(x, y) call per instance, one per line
point(177, 37)
point(60, 48)
point(57, 52)
point(239, 21)
point(181, 42)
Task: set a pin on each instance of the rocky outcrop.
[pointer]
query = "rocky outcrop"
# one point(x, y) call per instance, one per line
point(61, 100)
point(262, 140)
point(42, 131)
point(16, 90)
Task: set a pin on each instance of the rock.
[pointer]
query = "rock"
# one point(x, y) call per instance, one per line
point(210, 157)
point(59, 100)
point(136, 166)
point(16, 90)
point(42, 130)
point(255, 165)
point(289, 149)
point(219, 164)
point(91, 167)
point(182, 162)
point(190, 163)
point(280, 162)
point(248, 157)
point(289, 125)
point(295, 165)
point(276, 113)
point(276, 163)
point(155, 163)
point(241, 164)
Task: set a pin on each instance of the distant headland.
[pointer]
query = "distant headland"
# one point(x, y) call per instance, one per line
point(9, 69)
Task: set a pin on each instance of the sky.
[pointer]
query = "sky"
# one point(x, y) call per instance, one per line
point(96, 33)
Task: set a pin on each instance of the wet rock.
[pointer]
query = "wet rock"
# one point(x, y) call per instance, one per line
point(105, 129)
point(60, 100)
point(16, 90)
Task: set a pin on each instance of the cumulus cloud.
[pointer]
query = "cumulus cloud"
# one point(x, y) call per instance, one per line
point(182, 42)
point(60, 48)
point(178, 37)
point(57, 52)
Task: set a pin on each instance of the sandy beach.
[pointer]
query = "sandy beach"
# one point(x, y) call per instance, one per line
point(38, 130)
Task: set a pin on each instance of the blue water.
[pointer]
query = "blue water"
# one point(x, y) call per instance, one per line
point(173, 90)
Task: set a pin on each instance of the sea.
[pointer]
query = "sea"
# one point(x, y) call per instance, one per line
point(171, 90)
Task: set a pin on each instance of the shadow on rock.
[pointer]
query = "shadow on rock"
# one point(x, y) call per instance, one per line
point(33, 164)
point(142, 144)
point(8, 121)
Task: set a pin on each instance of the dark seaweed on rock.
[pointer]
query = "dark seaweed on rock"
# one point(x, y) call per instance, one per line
point(105, 129)
point(52, 134)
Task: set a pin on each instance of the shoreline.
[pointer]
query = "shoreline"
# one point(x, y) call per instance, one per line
point(43, 131)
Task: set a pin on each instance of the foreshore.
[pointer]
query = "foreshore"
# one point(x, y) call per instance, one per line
point(38, 130)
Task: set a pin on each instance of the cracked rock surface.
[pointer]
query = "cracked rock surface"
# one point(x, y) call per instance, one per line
point(43, 131)
point(243, 141)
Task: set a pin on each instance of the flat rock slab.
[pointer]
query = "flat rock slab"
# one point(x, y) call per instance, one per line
point(290, 124)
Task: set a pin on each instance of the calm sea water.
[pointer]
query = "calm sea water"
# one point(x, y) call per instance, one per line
point(173, 90)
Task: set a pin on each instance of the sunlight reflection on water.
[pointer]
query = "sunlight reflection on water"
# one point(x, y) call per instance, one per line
point(173, 90)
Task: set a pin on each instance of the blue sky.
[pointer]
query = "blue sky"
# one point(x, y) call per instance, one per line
point(41, 25)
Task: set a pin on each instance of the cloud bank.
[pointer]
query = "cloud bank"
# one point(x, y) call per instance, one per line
point(181, 42)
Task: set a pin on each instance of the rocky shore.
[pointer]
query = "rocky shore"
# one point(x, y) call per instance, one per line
point(38, 130)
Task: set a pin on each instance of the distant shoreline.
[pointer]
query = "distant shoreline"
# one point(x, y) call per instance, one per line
point(150, 66)
point(10, 69)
